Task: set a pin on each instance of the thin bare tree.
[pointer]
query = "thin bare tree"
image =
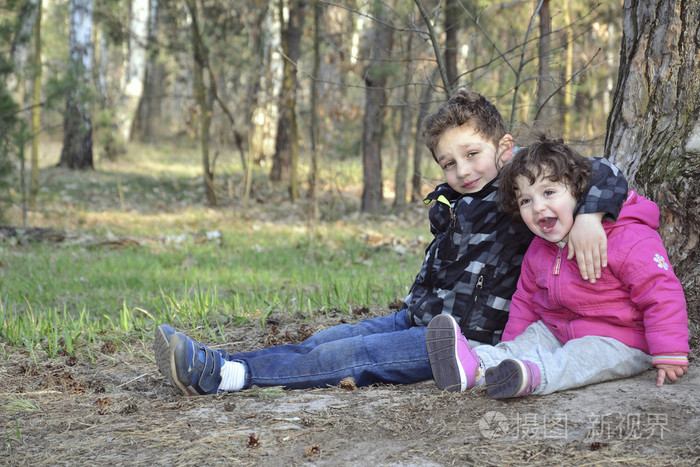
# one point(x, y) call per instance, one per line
point(77, 122)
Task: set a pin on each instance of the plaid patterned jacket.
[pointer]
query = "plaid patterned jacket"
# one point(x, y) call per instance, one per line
point(472, 266)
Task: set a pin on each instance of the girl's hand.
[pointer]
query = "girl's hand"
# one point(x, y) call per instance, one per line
point(672, 372)
point(588, 242)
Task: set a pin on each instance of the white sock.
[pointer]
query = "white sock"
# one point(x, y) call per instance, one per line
point(232, 376)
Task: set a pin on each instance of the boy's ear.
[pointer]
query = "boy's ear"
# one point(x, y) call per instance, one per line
point(505, 147)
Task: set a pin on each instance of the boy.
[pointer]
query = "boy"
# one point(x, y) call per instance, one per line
point(470, 271)
point(562, 332)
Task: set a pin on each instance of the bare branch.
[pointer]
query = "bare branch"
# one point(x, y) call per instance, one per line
point(436, 48)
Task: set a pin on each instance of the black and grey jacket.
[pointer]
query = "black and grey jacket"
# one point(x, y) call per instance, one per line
point(472, 266)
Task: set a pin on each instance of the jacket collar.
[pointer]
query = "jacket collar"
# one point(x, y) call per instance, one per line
point(444, 190)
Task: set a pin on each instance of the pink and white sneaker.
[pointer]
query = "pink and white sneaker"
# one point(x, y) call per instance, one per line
point(512, 378)
point(455, 365)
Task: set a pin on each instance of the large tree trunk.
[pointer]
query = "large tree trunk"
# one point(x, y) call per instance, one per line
point(654, 126)
point(373, 121)
point(77, 124)
point(20, 50)
point(136, 64)
point(452, 14)
point(255, 101)
point(287, 142)
point(147, 121)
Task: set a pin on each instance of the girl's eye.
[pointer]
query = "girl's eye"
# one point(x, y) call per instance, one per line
point(523, 202)
point(549, 192)
point(471, 154)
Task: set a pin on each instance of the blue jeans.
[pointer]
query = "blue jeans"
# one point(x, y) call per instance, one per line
point(387, 349)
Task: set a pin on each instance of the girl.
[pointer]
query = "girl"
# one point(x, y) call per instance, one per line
point(564, 332)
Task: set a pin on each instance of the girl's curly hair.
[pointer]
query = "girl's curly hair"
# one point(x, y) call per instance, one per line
point(548, 158)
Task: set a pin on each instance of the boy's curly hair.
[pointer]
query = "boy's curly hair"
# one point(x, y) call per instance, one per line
point(549, 158)
point(463, 107)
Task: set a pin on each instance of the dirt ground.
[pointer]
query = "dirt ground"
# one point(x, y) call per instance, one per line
point(120, 411)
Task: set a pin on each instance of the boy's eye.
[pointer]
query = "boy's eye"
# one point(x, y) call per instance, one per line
point(447, 165)
point(471, 154)
point(548, 192)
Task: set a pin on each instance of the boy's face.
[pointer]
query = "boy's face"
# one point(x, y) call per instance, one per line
point(547, 208)
point(468, 160)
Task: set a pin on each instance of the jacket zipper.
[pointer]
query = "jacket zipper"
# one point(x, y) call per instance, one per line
point(478, 287)
point(557, 263)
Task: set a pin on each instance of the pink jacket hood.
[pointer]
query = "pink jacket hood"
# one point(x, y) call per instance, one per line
point(636, 210)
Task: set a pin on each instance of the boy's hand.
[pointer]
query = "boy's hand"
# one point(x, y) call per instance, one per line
point(588, 242)
point(672, 372)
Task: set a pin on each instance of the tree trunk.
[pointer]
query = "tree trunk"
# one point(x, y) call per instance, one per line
point(287, 142)
point(136, 64)
point(203, 101)
point(568, 70)
point(36, 110)
point(545, 82)
point(147, 121)
point(20, 49)
point(77, 124)
point(404, 136)
point(419, 148)
point(314, 129)
point(373, 120)
point(255, 23)
point(451, 29)
point(654, 126)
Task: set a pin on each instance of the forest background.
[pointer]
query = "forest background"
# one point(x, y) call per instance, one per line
point(282, 92)
point(251, 172)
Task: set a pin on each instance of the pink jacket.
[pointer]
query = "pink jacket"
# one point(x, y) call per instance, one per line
point(638, 300)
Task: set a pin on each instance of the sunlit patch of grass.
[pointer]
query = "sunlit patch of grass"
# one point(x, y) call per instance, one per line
point(265, 259)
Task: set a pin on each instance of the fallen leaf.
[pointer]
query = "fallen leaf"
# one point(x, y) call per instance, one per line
point(348, 384)
point(314, 450)
point(253, 440)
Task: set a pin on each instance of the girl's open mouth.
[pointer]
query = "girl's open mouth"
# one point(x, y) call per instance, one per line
point(547, 224)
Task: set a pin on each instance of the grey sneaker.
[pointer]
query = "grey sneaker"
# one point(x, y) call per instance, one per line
point(512, 378)
point(161, 348)
point(455, 365)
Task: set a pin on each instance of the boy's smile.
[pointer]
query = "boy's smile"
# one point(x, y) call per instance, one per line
point(467, 159)
point(547, 208)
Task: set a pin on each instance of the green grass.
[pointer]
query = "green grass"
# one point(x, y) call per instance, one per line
point(67, 298)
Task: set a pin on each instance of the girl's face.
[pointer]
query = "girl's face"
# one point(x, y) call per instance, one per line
point(547, 208)
point(468, 160)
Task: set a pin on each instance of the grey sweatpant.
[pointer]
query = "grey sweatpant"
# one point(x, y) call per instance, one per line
point(579, 362)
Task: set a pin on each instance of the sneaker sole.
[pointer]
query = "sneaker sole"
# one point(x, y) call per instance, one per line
point(442, 352)
point(171, 365)
point(506, 380)
point(161, 348)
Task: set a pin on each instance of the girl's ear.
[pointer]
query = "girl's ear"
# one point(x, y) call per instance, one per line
point(505, 148)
